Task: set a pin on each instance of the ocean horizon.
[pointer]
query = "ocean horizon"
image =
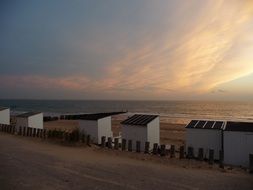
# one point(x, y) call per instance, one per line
point(169, 111)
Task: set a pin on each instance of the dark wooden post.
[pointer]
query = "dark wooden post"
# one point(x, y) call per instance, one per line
point(201, 154)
point(103, 143)
point(251, 163)
point(110, 142)
point(34, 132)
point(116, 143)
point(147, 144)
point(155, 148)
point(44, 133)
point(88, 140)
point(129, 147)
point(27, 131)
point(83, 138)
point(211, 156)
point(20, 130)
point(190, 153)
point(181, 152)
point(38, 133)
point(172, 151)
point(24, 131)
point(31, 132)
point(123, 144)
point(163, 150)
point(138, 146)
point(221, 159)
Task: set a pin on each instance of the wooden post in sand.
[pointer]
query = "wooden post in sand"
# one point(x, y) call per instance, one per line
point(13, 129)
point(88, 140)
point(129, 147)
point(44, 133)
point(103, 141)
point(24, 131)
point(155, 148)
point(20, 130)
point(110, 142)
point(181, 152)
point(138, 146)
point(116, 143)
point(190, 153)
point(211, 156)
point(201, 154)
point(123, 144)
point(163, 150)
point(83, 138)
point(34, 132)
point(221, 159)
point(251, 163)
point(147, 144)
point(172, 151)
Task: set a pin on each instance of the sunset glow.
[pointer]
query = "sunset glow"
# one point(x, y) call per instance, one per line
point(110, 50)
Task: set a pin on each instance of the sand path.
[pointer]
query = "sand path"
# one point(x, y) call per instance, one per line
point(31, 164)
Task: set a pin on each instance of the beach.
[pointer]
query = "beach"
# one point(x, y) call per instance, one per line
point(30, 163)
point(170, 133)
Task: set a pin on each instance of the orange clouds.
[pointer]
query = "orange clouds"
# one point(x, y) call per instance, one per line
point(193, 56)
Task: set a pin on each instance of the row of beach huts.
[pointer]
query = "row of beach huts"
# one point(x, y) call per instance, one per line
point(227, 140)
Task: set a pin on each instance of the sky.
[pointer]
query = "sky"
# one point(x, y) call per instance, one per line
point(131, 50)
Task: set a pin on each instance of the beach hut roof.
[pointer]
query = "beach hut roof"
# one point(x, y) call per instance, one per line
point(3, 108)
point(139, 119)
point(239, 126)
point(204, 124)
point(97, 116)
point(28, 114)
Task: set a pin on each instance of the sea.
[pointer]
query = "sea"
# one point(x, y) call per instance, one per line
point(169, 111)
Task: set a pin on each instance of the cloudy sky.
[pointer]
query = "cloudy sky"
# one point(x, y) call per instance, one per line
point(116, 49)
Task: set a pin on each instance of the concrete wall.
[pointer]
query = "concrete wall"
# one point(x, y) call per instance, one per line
point(104, 128)
point(135, 133)
point(5, 117)
point(237, 147)
point(89, 127)
point(206, 139)
point(154, 131)
point(36, 121)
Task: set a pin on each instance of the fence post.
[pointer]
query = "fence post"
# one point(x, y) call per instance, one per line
point(24, 131)
point(20, 130)
point(221, 159)
point(147, 144)
point(138, 146)
point(181, 152)
point(190, 153)
point(123, 144)
point(172, 151)
point(116, 143)
point(155, 148)
point(129, 147)
point(110, 142)
point(34, 132)
point(44, 133)
point(251, 163)
point(103, 141)
point(211, 156)
point(201, 154)
point(88, 140)
point(163, 150)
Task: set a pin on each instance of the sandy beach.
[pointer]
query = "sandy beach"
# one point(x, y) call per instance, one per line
point(30, 163)
point(170, 133)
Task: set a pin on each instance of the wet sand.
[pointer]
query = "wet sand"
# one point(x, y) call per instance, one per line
point(30, 163)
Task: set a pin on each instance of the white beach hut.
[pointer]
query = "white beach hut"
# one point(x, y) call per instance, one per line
point(5, 116)
point(96, 125)
point(238, 143)
point(30, 119)
point(206, 135)
point(143, 128)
